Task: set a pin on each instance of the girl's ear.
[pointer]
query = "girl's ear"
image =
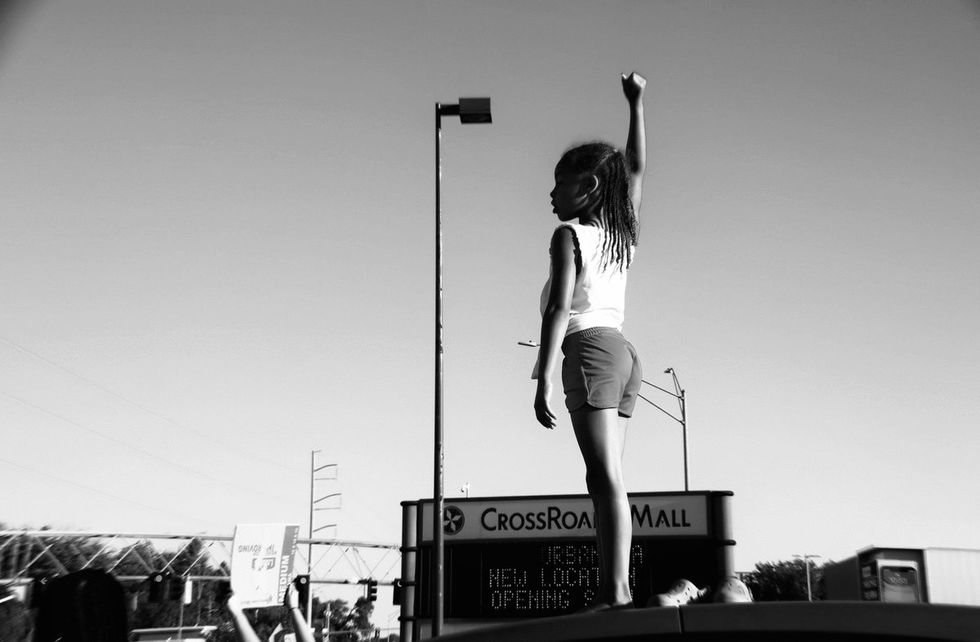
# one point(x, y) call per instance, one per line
point(590, 185)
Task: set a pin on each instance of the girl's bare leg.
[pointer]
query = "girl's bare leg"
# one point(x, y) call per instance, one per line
point(601, 436)
point(605, 586)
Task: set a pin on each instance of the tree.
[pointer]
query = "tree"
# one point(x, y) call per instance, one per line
point(355, 622)
point(361, 617)
point(68, 554)
point(142, 558)
point(784, 581)
point(339, 618)
point(137, 560)
point(55, 556)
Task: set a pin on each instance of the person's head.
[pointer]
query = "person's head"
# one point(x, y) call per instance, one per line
point(592, 184)
point(84, 606)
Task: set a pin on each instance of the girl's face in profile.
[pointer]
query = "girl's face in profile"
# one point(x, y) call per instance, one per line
point(570, 195)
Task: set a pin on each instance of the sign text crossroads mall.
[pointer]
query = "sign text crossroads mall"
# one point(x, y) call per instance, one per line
point(654, 515)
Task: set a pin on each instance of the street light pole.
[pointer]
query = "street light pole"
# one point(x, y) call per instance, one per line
point(437, 564)
point(314, 469)
point(681, 397)
point(806, 564)
point(469, 110)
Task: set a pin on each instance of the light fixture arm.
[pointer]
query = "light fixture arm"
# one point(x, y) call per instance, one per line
point(659, 408)
point(676, 396)
point(682, 420)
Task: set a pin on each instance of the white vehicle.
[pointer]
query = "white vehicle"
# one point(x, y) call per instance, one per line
point(930, 575)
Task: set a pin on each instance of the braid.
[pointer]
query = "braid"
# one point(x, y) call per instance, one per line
point(617, 214)
point(618, 219)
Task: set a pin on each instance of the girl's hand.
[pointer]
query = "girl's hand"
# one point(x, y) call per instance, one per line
point(542, 405)
point(633, 86)
point(291, 597)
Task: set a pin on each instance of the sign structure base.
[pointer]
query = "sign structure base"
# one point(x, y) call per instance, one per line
point(517, 558)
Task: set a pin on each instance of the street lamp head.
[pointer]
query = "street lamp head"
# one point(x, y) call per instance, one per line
point(668, 370)
point(474, 110)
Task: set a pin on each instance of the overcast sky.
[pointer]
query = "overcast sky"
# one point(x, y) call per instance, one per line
point(217, 255)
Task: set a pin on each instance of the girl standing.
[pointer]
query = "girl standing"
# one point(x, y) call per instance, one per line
point(597, 198)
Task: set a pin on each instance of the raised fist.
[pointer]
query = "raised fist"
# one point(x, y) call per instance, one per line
point(633, 86)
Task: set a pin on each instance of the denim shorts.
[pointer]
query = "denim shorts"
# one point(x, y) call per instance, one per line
point(600, 369)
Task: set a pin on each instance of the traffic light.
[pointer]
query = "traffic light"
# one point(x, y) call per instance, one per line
point(396, 591)
point(159, 586)
point(175, 591)
point(164, 586)
point(372, 592)
point(302, 585)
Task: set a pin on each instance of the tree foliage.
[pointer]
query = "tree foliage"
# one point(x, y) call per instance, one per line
point(354, 622)
point(784, 581)
point(58, 556)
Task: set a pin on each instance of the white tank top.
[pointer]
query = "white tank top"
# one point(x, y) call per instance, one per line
point(599, 296)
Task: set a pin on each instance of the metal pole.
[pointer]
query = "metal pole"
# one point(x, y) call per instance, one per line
point(180, 619)
point(684, 431)
point(309, 549)
point(806, 567)
point(437, 463)
point(809, 592)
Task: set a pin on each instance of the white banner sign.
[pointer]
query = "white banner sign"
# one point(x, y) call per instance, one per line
point(655, 515)
point(262, 563)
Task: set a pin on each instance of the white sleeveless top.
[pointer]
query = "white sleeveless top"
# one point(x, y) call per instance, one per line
point(599, 296)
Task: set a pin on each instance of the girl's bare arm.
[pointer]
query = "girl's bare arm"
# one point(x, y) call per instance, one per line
point(300, 627)
point(554, 321)
point(243, 629)
point(636, 139)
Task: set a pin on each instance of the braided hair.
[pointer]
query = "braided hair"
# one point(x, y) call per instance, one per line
point(608, 164)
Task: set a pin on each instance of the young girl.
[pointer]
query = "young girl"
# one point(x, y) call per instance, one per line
point(596, 198)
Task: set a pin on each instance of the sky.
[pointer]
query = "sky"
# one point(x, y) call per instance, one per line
point(217, 256)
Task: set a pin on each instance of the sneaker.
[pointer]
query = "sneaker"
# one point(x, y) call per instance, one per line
point(681, 593)
point(732, 591)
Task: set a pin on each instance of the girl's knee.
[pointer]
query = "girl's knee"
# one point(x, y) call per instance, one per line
point(604, 483)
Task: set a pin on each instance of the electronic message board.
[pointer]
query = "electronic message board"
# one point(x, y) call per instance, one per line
point(515, 557)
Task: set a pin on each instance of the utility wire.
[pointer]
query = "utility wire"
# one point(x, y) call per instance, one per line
point(240, 452)
point(145, 453)
point(100, 492)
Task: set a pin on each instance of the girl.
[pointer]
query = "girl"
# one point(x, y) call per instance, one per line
point(582, 313)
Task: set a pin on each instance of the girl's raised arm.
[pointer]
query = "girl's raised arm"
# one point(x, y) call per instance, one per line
point(636, 139)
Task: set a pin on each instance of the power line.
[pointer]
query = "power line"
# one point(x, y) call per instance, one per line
point(100, 492)
point(145, 453)
point(242, 453)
